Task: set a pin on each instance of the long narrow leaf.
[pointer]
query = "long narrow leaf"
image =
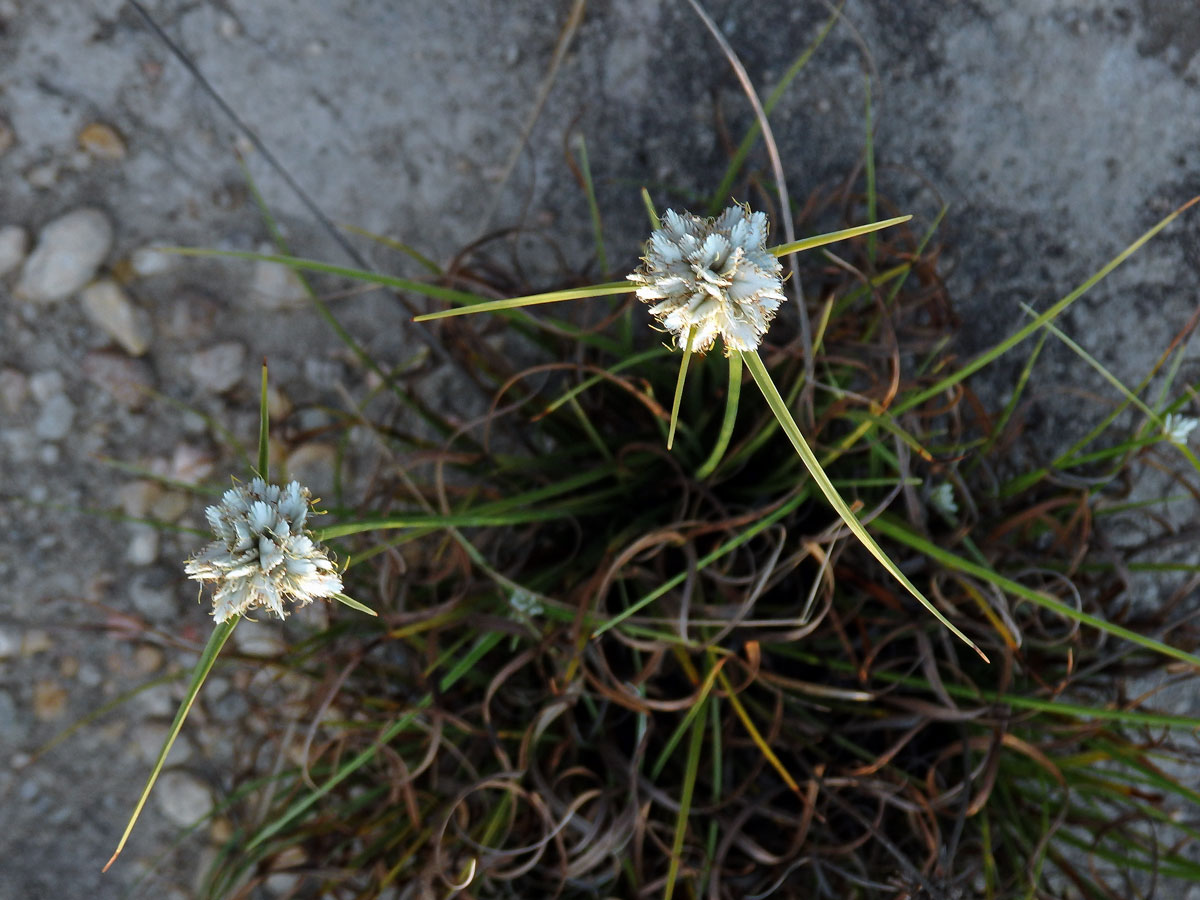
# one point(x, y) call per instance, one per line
point(1045, 601)
point(692, 767)
point(597, 290)
point(1008, 343)
point(763, 378)
point(216, 641)
point(683, 367)
point(732, 396)
point(820, 240)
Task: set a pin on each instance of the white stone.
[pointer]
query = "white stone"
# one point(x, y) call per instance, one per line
point(56, 418)
point(10, 643)
point(259, 638)
point(147, 261)
point(45, 385)
point(142, 548)
point(218, 368)
point(110, 309)
point(190, 464)
point(42, 176)
point(14, 244)
point(275, 286)
point(128, 381)
point(69, 251)
point(183, 798)
point(152, 594)
point(155, 702)
point(312, 464)
point(13, 388)
point(171, 506)
point(13, 725)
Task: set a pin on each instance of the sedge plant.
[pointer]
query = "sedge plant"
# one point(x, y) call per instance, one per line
point(623, 648)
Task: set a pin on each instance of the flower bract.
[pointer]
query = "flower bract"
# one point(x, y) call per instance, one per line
point(262, 554)
point(1177, 427)
point(715, 275)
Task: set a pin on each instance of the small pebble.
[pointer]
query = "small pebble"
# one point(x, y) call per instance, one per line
point(10, 643)
point(230, 708)
point(279, 405)
point(45, 385)
point(183, 798)
point(147, 659)
point(142, 548)
point(170, 506)
point(190, 464)
point(258, 638)
point(322, 373)
point(313, 464)
point(49, 700)
point(69, 251)
point(55, 420)
point(190, 314)
point(7, 137)
point(110, 309)
point(80, 161)
point(218, 368)
point(220, 831)
point(13, 726)
point(152, 594)
point(14, 387)
point(136, 498)
point(275, 286)
point(14, 244)
point(155, 701)
point(283, 884)
point(49, 454)
point(68, 667)
point(102, 142)
point(147, 261)
point(36, 640)
point(42, 176)
point(286, 883)
point(126, 380)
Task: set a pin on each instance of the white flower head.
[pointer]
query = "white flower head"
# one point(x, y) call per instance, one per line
point(262, 554)
point(942, 499)
point(1177, 427)
point(714, 274)
point(524, 604)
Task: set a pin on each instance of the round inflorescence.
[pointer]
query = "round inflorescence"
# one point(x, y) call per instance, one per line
point(714, 275)
point(262, 554)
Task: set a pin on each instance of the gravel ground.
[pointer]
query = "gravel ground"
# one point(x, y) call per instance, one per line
point(1056, 133)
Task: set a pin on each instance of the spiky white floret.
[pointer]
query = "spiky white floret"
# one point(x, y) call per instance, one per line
point(262, 554)
point(714, 274)
point(1177, 427)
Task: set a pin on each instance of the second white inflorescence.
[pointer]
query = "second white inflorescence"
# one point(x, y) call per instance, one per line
point(715, 275)
point(262, 555)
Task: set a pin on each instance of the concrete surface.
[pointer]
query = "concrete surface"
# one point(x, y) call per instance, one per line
point(1056, 132)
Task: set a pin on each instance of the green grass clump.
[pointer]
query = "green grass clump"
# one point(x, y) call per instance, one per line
point(606, 668)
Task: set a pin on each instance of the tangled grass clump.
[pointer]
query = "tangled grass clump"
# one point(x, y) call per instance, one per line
point(624, 648)
point(605, 669)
